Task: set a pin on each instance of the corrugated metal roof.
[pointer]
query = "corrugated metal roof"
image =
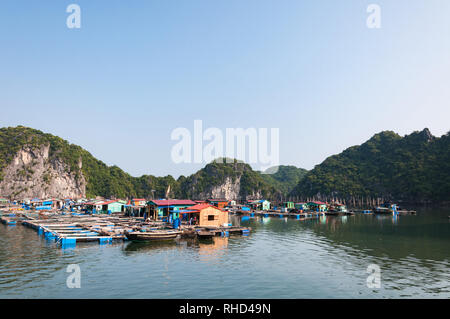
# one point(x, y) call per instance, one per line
point(197, 208)
point(170, 202)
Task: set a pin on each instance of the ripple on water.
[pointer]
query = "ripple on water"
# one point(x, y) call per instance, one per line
point(281, 258)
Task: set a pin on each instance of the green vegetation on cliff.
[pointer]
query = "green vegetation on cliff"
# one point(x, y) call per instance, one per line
point(111, 181)
point(284, 177)
point(412, 168)
point(217, 173)
point(101, 179)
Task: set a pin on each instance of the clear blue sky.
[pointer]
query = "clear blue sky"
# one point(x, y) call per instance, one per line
point(138, 69)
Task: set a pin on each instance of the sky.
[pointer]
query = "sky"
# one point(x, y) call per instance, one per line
point(136, 70)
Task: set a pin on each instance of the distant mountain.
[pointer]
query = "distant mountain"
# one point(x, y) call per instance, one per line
point(413, 168)
point(235, 180)
point(284, 177)
point(36, 164)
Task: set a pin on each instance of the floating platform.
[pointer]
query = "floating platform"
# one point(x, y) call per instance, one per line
point(69, 229)
point(8, 221)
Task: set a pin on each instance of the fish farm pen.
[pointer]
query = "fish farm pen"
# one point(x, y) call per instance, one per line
point(68, 229)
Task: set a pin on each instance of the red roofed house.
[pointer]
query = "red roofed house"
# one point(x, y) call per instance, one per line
point(138, 202)
point(206, 215)
point(162, 207)
point(219, 203)
point(318, 206)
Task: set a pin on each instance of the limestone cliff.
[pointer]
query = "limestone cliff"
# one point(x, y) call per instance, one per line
point(229, 189)
point(232, 181)
point(38, 164)
point(33, 173)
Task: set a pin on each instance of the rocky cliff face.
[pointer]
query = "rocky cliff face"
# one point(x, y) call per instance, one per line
point(232, 181)
point(38, 164)
point(230, 190)
point(32, 173)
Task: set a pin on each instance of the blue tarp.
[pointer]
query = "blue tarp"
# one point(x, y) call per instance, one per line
point(43, 207)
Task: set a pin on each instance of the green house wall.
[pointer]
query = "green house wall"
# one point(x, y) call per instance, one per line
point(115, 207)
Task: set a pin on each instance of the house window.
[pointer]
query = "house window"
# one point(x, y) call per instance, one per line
point(210, 217)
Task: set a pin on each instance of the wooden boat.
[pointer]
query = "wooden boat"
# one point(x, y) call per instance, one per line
point(333, 213)
point(407, 212)
point(386, 209)
point(205, 234)
point(153, 235)
point(337, 210)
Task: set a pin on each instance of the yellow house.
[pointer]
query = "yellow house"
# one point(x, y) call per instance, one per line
point(206, 215)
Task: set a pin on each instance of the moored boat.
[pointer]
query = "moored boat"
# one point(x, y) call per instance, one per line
point(333, 213)
point(153, 235)
point(205, 234)
point(386, 209)
point(337, 210)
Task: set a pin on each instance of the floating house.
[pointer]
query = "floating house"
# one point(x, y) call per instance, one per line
point(341, 208)
point(219, 203)
point(260, 204)
point(206, 215)
point(44, 205)
point(113, 206)
point(318, 206)
point(301, 206)
point(136, 211)
point(288, 205)
point(95, 205)
point(160, 208)
point(138, 202)
point(47, 204)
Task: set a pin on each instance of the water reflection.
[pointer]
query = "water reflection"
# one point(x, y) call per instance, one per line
point(412, 250)
point(321, 257)
point(150, 246)
point(217, 246)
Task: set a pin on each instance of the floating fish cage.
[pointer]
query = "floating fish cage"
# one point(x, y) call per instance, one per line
point(68, 229)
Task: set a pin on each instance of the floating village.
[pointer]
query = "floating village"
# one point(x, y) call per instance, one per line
point(69, 221)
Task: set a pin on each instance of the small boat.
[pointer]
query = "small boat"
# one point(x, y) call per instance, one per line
point(153, 235)
point(333, 213)
point(337, 210)
point(205, 234)
point(386, 209)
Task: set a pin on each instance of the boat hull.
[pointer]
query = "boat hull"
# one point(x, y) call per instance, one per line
point(382, 211)
point(205, 234)
point(333, 213)
point(152, 236)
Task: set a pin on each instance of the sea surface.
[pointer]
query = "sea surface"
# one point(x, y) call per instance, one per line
point(328, 257)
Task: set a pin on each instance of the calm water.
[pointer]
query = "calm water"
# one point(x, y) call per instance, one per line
point(320, 258)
